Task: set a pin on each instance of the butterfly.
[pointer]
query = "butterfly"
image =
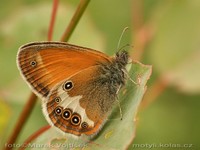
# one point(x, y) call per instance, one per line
point(78, 86)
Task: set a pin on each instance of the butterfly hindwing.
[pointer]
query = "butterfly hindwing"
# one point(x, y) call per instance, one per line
point(88, 99)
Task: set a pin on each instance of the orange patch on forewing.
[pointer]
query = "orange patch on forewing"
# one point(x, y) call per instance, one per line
point(69, 63)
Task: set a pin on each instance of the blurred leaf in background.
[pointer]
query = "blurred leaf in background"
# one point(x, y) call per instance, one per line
point(174, 52)
point(166, 33)
point(175, 48)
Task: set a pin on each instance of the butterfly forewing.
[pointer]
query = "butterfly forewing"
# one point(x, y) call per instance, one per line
point(44, 64)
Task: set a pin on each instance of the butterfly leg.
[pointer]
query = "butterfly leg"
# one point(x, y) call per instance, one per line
point(120, 109)
point(134, 82)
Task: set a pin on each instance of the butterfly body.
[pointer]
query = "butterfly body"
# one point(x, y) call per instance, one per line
point(77, 85)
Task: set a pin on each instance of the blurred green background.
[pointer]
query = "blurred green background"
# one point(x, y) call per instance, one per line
point(164, 34)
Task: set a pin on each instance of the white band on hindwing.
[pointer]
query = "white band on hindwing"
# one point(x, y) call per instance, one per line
point(73, 103)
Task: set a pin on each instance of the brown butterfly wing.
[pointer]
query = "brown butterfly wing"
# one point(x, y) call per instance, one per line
point(88, 98)
point(44, 64)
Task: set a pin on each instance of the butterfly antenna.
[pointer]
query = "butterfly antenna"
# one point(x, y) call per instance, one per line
point(119, 42)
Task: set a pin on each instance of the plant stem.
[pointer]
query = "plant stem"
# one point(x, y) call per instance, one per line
point(27, 109)
point(34, 136)
point(53, 17)
point(142, 32)
point(137, 14)
point(153, 92)
point(75, 19)
point(142, 35)
point(21, 121)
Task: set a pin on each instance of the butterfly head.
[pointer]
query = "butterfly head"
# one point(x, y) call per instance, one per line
point(122, 58)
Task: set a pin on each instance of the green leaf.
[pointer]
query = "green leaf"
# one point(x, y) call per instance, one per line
point(116, 133)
